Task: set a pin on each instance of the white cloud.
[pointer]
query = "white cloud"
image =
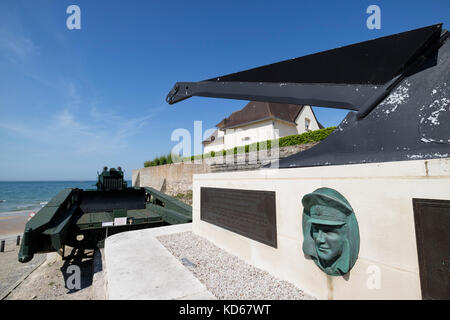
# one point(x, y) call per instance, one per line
point(16, 47)
point(80, 135)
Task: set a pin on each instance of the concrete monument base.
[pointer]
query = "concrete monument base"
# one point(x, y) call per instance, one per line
point(381, 196)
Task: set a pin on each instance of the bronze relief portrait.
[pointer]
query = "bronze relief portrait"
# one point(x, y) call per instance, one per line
point(330, 231)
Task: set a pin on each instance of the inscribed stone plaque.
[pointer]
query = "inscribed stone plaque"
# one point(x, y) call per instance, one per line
point(247, 212)
point(432, 221)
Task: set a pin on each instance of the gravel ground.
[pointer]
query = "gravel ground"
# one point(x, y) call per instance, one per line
point(225, 275)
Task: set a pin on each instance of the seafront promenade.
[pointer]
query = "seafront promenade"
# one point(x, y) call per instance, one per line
point(11, 271)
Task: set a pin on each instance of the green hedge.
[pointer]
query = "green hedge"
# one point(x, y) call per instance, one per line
point(157, 161)
point(307, 137)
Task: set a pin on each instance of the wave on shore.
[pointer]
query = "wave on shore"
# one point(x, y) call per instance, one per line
point(16, 213)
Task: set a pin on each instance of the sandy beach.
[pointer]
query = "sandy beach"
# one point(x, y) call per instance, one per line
point(12, 223)
point(43, 278)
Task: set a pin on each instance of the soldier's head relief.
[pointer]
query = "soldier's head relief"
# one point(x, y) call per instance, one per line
point(330, 231)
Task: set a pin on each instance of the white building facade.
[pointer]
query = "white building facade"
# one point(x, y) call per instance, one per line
point(258, 122)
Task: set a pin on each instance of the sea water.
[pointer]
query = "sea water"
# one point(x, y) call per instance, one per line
point(25, 197)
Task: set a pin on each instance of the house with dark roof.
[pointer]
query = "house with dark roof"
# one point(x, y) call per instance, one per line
point(261, 121)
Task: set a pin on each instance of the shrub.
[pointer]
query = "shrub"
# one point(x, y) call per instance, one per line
point(164, 159)
point(148, 164)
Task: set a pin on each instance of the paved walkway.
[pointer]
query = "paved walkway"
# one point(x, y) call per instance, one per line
point(138, 266)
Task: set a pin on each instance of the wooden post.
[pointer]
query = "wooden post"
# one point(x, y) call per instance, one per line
point(2, 246)
point(18, 240)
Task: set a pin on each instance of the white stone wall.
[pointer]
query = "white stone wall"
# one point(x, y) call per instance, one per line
point(248, 134)
point(216, 145)
point(381, 196)
point(174, 178)
point(261, 131)
point(306, 113)
point(284, 129)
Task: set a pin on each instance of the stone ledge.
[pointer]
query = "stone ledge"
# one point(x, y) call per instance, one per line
point(139, 267)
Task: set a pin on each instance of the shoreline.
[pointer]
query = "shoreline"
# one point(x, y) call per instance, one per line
point(11, 237)
point(18, 212)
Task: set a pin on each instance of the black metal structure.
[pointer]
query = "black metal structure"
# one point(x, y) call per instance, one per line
point(83, 219)
point(398, 88)
point(432, 222)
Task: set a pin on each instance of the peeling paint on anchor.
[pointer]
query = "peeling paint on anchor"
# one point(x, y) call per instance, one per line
point(435, 114)
point(434, 119)
point(430, 155)
point(342, 125)
point(399, 96)
point(427, 140)
point(415, 156)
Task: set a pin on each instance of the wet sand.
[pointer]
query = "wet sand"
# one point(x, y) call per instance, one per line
point(12, 223)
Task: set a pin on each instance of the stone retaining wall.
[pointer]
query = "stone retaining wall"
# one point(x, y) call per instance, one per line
point(170, 178)
point(176, 178)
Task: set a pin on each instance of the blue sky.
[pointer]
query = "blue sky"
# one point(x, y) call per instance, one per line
point(72, 101)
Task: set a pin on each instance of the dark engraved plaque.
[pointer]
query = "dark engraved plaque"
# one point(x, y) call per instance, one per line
point(432, 222)
point(246, 212)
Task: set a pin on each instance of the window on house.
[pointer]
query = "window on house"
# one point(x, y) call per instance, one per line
point(307, 124)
